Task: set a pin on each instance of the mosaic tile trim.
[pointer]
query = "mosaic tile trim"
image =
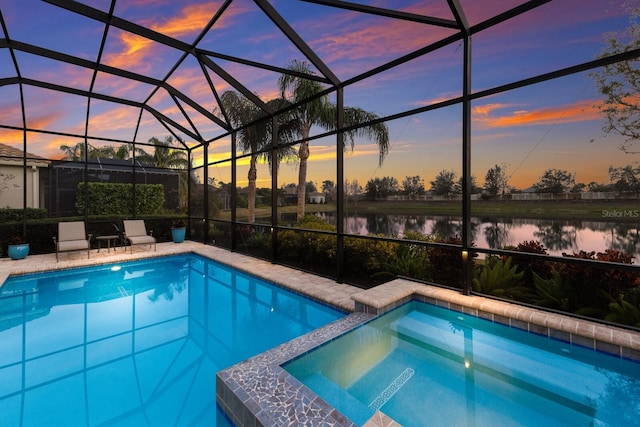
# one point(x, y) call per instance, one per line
point(258, 392)
point(391, 389)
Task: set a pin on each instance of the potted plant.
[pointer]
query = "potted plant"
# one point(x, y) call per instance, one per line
point(17, 248)
point(178, 231)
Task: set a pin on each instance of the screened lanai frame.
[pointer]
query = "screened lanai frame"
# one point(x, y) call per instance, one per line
point(461, 32)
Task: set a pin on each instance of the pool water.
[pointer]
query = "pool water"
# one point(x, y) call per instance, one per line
point(138, 343)
point(424, 365)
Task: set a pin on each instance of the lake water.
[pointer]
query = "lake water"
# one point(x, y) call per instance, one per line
point(556, 235)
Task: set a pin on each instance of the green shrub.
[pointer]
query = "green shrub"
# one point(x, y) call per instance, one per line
point(259, 240)
point(411, 259)
point(312, 222)
point(593, 287)
point(306, 248)
point(497, 277)
point(553, 292)
point(406, 264)
point(621, 311)
point(364, 258)
point(528, 265)
point(117, 199)
point(15, 215)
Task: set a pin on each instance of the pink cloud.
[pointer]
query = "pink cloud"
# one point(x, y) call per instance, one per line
point(584, 110)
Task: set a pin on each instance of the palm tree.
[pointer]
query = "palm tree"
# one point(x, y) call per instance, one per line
point(164, 156)
point(255, 136)
point(120, 152)
point(321, 112)
point(241, 112)
point(75, 153)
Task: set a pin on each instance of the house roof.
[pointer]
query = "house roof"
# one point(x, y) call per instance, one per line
point(112, 165)
point(9, 151)
point(11, 155)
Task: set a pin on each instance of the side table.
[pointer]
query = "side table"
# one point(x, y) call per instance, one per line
point(109, 238)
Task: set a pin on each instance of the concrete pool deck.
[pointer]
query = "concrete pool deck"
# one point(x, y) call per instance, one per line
point(259, 392)
point(319, 288)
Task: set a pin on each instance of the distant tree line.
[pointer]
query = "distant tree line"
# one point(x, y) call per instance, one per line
point(623, 179)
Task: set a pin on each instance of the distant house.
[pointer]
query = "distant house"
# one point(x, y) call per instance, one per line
point(316, 197)
point(12, 180)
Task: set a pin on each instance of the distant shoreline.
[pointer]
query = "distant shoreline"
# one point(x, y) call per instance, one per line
point(595, 210)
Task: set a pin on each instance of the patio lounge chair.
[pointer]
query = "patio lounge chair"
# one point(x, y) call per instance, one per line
point(135, 232)
point(72, 236)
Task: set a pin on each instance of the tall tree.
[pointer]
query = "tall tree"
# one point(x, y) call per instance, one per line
point(380, 188)
point(120, 152)
point(255, 135)
point(76, 153)
point(625, 178)
point(496, 181)
point(321, 112)
point(413, 186)
point(310, 187)
point(620, 83)
point(555, 181)
point(328, 188)
point(473, 185)
point(242, 112)
point(164, 155)
point(444, 183)
point(352, 189)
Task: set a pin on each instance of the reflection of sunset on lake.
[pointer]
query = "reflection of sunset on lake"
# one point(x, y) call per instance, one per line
point(557, 236)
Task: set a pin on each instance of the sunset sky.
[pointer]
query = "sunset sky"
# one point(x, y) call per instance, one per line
point(549, 125)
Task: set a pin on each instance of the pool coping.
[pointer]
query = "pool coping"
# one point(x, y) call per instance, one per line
point(617, 341)
point(259, 392)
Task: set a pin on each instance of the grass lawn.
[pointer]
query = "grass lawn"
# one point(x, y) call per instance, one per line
point(618, 210)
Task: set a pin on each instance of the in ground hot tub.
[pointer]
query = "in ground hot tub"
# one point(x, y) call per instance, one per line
point(426, 365)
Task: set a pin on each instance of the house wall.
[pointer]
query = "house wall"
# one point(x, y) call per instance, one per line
point(12, 184)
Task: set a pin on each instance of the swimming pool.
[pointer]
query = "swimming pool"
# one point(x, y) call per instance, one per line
point(136, 343)
point(426, 365)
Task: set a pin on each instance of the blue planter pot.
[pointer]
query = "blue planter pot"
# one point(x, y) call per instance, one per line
point(177, 234)
point(18, 251)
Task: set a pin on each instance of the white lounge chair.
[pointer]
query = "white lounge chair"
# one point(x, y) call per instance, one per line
point(72, 236)
point(135, 232)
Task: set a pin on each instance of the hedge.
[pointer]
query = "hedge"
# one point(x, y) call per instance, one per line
point(117, 199)
point(15, 215)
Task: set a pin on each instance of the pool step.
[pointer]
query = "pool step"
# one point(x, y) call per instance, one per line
point(336, 396)
point(549, 375)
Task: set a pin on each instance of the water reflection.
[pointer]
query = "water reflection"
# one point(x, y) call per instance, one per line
point(556, 235)
point(139, 345)
point(496, 234)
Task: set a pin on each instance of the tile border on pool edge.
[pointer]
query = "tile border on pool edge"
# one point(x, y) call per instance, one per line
point(609, 339)
point(259, 392)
